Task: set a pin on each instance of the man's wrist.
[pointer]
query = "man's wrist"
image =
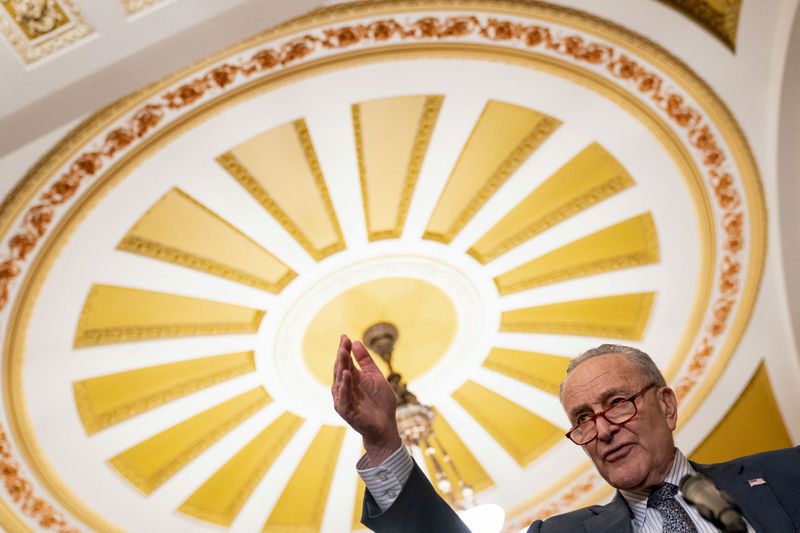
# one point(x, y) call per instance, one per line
point(378, 452)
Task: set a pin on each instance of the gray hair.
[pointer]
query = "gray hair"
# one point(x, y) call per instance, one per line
point(647, 368)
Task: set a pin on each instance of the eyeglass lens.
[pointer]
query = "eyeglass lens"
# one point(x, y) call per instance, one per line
point(617, 414)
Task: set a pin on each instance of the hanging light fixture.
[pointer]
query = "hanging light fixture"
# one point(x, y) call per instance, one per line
point(415, 424)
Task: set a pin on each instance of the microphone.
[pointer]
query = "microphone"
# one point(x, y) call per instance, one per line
point(713, 504)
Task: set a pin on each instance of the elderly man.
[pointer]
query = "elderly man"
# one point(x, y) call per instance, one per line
point(623, 416)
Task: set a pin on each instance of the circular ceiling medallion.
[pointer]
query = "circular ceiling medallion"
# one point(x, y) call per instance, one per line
point(422, 311)
point(509, 183)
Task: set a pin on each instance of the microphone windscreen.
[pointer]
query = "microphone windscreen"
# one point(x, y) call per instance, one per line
point(712, 503)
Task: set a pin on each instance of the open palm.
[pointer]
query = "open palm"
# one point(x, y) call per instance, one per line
point(364, 399)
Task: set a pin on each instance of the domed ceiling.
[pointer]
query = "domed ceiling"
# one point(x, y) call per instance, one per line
point(509, 183)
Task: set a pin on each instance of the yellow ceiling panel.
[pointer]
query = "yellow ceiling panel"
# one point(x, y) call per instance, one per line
point(502, 139)
point(392, 136)
point(221, 497)
point(719, 17)
point(756, 410)
point(180, 230)
point(151, 462)
point(619, 317)
point(541, 370)
point(590, 177)
point(106, 400)
point(302, 502)
point(280, 169)
point(523, 434)
point(630, 243)
point(120, 314)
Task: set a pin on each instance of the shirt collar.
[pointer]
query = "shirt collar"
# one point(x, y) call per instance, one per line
point(637, 499)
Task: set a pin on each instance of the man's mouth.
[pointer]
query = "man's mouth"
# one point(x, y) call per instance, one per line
point(617, 453)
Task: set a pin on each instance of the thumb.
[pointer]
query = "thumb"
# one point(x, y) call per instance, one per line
point(364, 359)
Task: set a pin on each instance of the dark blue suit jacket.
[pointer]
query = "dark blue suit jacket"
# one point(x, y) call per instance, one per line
point(772, 507)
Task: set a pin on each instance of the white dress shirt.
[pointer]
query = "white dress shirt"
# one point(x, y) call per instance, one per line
point(648, 520)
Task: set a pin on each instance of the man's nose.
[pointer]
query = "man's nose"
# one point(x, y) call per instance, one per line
point(605, 429)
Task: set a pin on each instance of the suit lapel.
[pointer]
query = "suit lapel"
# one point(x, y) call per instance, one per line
point(612, 518)
point(758, 503)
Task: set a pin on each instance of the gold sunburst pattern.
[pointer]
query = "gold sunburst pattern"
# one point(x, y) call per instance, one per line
point(491, 223)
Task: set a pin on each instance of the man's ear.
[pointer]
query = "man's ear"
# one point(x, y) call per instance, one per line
point(669, 406)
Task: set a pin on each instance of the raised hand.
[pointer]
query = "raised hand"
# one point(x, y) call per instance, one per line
point(365, 400)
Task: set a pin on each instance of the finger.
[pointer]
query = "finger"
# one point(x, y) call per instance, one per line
point(342, 398)
point(343, 359)
point(347, 346)
point(364, 359)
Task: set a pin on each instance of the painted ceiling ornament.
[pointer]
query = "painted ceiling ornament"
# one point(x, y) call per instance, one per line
point(38, 28)
point(133, 7)
point(37, 17)
point(496, 224)
point(720, 18)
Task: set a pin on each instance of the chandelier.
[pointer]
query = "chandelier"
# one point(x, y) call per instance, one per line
point(415, 424)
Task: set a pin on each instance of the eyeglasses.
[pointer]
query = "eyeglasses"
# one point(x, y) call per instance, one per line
point(619, 413)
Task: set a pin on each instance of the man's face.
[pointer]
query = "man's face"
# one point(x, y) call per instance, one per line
point(638, 454)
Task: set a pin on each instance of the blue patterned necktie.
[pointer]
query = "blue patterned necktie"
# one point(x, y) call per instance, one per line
point(674, 517)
